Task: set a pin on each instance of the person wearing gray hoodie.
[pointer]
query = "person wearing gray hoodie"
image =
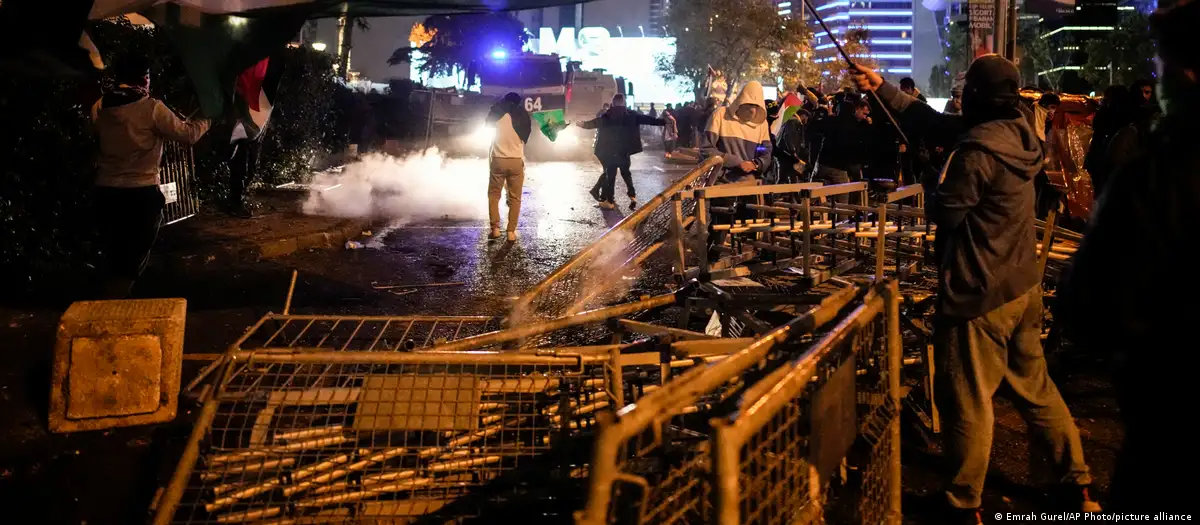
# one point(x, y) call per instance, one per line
point(989, 311)
point(740, 135)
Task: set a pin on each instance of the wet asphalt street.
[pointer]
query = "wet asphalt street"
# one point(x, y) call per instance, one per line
point(558, 218)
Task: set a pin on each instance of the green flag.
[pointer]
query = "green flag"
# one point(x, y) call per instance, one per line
point(551, 122)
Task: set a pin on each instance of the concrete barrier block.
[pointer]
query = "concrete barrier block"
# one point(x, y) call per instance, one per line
point(117, 364)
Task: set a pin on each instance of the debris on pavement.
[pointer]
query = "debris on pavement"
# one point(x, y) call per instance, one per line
point(354, 245)
point(427, 285)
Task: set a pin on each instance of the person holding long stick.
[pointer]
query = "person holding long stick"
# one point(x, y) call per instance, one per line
point(989, 311)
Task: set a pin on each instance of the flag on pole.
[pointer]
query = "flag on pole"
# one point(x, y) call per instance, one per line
point(790, 105)
point(216, 49)
point(550, 122)
point(254, 94)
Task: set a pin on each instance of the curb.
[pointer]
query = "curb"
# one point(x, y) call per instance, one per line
point(265, 249)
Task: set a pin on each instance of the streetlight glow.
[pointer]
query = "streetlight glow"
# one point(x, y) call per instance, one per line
point(318, 46)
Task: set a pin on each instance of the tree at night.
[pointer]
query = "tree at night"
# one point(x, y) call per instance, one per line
point(451, 44)
point(1128, 51)
point(856, 43)
point(743, 40)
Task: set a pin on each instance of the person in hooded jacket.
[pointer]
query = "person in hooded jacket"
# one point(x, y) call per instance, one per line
point(132, 128)
point(618, 137)
point(740, 135)
point(506, 161)
point(989, 306)
point(1129, 296)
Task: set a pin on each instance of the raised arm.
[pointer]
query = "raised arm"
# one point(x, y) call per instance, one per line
point(910, 112)
point(590, 124)
point(646, 120)
point(171, 127)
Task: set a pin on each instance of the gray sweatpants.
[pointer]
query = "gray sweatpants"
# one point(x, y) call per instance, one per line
point(972, 359)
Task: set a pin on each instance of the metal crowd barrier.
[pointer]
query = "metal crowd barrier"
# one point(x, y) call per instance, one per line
point(832, 413)
point(327, 436)
point(591, 276)
point(334, 419)
point(178, 174)
point(652, 458)
point(796, 229)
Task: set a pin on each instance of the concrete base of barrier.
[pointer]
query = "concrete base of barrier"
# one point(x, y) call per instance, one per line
point(117, 363)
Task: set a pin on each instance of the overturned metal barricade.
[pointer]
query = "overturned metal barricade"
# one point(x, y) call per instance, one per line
point(336, 419)
point(652, 458)
point(593, 275)
point(342, 437)
point(832, 413)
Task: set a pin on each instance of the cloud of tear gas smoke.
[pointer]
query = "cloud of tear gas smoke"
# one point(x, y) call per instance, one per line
point(416, 187)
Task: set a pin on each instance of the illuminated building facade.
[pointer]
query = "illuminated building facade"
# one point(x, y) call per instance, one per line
point(1069, 35)
point(889, 25)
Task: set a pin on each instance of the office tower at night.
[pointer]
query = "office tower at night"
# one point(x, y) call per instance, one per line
point(889, 25)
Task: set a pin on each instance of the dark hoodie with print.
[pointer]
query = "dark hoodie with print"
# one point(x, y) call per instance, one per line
point(983, 207)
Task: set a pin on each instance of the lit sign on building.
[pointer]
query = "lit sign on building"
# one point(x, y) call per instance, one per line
point(634, 58)
point(590, 42)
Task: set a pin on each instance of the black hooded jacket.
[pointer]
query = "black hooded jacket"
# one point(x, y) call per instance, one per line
point(618, 134)
point(983, 208)
point(521, 122)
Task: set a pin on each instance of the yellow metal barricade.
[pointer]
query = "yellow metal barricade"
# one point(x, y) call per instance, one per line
point(832, 413)
point(652, 460)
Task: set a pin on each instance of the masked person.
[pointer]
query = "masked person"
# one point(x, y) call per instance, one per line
point(618, 137)
point(507, 161)
point(846, 140)
point(132, 128)
point(1143, 232)
point(987, 332)
point(741, 136)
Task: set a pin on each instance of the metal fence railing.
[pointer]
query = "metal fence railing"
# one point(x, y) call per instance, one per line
point(652, 460)
point(831, 413)
point(178, 172)
point(342, 437)
point(329, 419)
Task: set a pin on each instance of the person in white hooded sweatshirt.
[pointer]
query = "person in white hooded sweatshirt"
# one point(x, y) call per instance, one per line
point(507, 161)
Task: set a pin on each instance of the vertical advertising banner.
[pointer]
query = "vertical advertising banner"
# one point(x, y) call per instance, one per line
point(981, 17)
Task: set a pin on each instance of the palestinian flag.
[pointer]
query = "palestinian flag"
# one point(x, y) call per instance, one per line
point(788, 108)
point(218, 50)
point(254, 93)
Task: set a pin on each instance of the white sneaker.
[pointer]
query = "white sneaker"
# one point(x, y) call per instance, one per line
point(512, 236)
point(495, 234)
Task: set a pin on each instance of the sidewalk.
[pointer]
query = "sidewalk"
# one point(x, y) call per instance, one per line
point(278, 228)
